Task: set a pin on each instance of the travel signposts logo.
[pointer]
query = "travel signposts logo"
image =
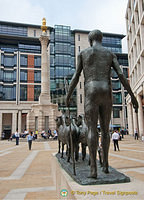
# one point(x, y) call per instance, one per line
point(64, 192)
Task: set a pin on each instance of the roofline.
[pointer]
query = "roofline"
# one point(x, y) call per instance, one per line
point(104, 34)
point(23, 24)
point(51, 28)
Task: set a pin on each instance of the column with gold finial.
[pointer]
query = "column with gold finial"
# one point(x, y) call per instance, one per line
point(45, 68)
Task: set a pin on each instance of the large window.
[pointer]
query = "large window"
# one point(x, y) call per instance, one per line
point(116, 85)
point(116, 112)
point(9, 76)
point(117, 98)
point(125, 71)
point(30, 48)
point(8, 61)
point(24, 60)
point(37, 76)
point(13, 30)
point(23, 75)
point(37, 61)
point(23, 92)
point(9, 93)
point(37, 91)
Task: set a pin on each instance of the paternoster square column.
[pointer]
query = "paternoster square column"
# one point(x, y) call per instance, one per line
point(45, 68)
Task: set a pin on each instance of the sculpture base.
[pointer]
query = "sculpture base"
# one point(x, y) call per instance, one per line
point(83, 171)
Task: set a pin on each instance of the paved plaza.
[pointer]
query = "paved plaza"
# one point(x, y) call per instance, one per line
point(36, 174)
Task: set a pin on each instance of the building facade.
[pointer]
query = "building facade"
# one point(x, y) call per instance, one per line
point(135, 40)
point(20, 72)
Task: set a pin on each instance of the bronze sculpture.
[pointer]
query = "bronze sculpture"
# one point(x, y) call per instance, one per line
point(96, 62)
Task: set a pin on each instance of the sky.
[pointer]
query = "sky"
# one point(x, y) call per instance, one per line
point(105, 15)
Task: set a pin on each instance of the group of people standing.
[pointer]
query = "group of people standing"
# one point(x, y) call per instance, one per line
point(32, 136)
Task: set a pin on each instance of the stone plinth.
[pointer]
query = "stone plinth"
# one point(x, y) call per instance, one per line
point(41, 111)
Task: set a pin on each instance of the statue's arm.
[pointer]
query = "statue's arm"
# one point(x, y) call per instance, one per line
point(125, 82)
point(75, 79)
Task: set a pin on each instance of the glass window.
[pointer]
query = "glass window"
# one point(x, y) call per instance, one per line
point(37, 61)
point(23, 60)
point(116, 85)
point(23, 75)
point(78, 37)
point(116, 112)
point(9, 93)
point(30, 48)
point(37, 76)
point(114, 74)
point(37, 91)
point(80, 98)
point(34, 33)
point(8, 61)
point(125, 71)
point(23, 92)
point(8, 76)
point(13, 30)
point(117, 99)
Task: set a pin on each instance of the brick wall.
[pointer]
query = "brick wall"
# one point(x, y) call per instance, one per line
point(30, 78)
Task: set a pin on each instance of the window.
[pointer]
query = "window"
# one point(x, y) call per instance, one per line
point(37, 61)
point(8, 76)
point(23, 92)
point(125, 71)
point(80, 98)
point(116, 112)
point(117, 99)
point(116, 85)
point(8, 61)
point(37, 76)
point(78, 37)
point(23, 60)
point(23, 76)
point(80, 85)
point(34, 33)
point(13, 30)
point(79, 48)
point(37, 91)
point(9, 93)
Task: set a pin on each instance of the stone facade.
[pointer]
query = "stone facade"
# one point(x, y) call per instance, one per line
point(135, 40)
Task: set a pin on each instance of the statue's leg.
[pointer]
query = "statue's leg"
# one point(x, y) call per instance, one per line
point(62, 150)
point(59, 146)
point(105, 116)
point(83, 151)
point(91, 116)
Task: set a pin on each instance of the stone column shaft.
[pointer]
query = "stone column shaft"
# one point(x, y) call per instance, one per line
point(140, 116)
point(1, 125)
point(14, 122)
point(45, 71)
point(19, 120)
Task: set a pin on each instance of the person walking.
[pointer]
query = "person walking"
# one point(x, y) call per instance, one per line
point(136, 134)
point(17, 135)
point(29, 139)
point(115, 138)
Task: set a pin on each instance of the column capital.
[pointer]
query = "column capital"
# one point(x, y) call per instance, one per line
point(44, 39)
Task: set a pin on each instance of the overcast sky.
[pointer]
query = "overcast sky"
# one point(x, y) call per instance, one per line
point(106, 15)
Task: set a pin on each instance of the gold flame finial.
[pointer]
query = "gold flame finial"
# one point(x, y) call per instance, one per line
point(44, 27)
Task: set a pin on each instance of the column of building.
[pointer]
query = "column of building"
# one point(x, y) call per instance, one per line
point(1, 125)
point(14, 122)
point(140, 116)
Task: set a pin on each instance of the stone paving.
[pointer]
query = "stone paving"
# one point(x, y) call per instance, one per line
point(36, 174)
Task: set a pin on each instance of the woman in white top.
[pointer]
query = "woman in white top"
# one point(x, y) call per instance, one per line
point(29, 139)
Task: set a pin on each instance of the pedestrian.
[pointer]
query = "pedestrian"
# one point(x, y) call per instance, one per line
point(49, 133)
point(17, 135)
point(136, 134)
point(36, 134)
point(55, 134)
point(29, 139)
point(115, 138)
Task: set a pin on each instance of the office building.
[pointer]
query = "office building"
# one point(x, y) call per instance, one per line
point(135, 40)
point(20, 71)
